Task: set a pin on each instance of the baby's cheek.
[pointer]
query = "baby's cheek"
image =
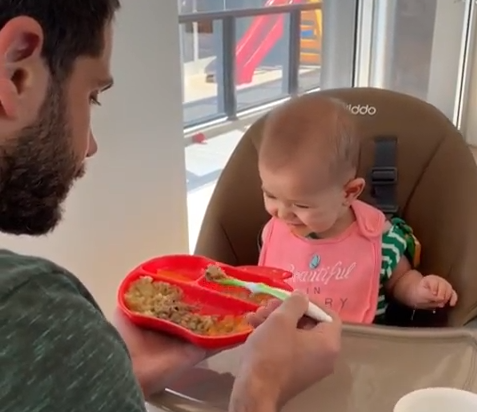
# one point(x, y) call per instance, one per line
point(307, 219)
point(319, 221)
point(271, 209)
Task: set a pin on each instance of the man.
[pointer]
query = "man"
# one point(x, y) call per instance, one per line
point(57, 351)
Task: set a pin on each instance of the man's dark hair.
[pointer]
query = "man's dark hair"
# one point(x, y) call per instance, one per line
point(72, 28)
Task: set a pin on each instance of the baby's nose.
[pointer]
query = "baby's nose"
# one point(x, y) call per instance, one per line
point(285, 213)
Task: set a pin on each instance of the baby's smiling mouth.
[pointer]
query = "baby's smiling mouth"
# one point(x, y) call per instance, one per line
point(294, 224)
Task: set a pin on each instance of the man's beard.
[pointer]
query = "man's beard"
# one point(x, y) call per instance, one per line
point(37, 170)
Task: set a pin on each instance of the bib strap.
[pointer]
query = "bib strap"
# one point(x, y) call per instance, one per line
point(370, 220)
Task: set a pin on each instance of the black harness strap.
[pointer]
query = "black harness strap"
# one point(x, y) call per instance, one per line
point(383, 176)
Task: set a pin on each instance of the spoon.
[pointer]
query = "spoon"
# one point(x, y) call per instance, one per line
point(216, 275)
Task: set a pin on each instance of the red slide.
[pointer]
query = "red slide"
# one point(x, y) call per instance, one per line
point(258, 40)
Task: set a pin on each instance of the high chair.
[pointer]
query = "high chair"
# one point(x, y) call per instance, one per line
point(418, 166)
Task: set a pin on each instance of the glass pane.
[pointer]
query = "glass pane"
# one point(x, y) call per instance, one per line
point(190, 6)
point(262, 75)
point(200, 43)
point(261, 58)
point(417, 49)
point(310, 49)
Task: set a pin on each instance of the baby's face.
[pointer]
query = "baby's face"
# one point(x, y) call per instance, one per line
point(305, 202)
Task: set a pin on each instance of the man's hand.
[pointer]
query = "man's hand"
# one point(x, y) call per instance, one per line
point(157, 359)
point(284, 355)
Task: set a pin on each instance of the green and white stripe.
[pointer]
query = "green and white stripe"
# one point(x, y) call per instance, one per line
point(394, 246)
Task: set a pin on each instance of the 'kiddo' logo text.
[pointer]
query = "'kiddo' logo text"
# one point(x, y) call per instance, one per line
point(362, 110)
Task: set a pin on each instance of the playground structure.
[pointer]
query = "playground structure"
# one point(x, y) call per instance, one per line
point(266, 31)
point(310, 42)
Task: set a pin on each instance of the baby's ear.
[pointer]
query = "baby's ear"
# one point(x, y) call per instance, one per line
point(354, 188)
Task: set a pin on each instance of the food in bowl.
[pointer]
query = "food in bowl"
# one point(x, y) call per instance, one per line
point(257, 298)
point(162, 300)
point(214, 273)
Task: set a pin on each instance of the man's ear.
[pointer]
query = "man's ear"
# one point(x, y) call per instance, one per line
point(353, 189)
point(21, 42)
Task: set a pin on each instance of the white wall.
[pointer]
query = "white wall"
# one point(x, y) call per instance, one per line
point(446, 64)
point(132, 203)
point(469, 123)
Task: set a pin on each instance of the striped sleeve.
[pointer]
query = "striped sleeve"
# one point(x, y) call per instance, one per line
point(394, 246)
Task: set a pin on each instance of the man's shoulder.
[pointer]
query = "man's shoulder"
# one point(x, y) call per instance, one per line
point(59, 349)
point(10, 260)
point(17, 270)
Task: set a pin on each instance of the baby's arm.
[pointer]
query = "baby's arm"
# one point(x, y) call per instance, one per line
point(404, 283)
point(400, 279)
point(411, 288)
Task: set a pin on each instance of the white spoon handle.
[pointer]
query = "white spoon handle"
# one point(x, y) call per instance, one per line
point(318, 314)
point(313, 311)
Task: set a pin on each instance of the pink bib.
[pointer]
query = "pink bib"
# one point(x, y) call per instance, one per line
point(343, 273)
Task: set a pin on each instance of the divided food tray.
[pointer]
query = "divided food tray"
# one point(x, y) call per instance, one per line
point(229, 304)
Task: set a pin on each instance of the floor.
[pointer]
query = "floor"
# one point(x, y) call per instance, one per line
point(204, 163)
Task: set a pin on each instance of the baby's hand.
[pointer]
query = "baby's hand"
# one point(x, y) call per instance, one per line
point(434, 292)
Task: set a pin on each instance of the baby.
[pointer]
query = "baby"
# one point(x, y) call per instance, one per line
point(337, 247)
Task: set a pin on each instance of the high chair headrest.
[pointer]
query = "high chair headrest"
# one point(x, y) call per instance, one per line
point(435, 190)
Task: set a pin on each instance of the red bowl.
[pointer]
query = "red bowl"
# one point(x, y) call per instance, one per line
point(187, 273)
point(272, 273)
point(185, 268)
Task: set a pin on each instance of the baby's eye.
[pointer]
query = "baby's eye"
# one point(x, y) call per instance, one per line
point(301, 206)
point(268, 195)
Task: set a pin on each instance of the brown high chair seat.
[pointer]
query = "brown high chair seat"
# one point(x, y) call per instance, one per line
point(435, 192)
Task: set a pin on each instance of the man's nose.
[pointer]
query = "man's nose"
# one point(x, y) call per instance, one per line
point(92, 145)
